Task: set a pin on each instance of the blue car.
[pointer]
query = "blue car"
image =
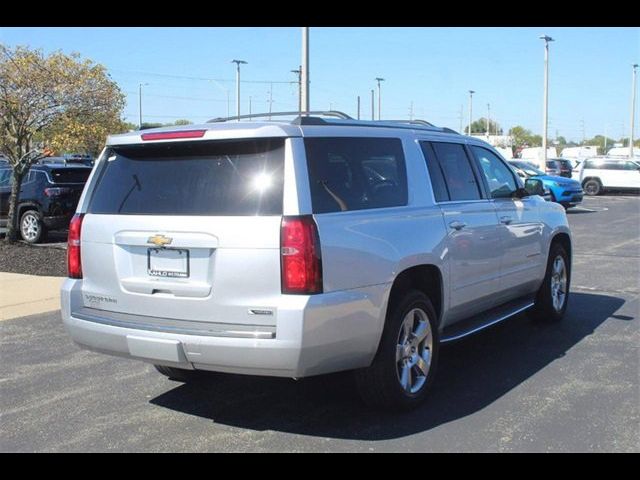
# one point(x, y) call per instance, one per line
point(563, 190)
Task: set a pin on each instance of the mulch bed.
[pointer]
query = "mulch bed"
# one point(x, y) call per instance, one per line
point(41, 260)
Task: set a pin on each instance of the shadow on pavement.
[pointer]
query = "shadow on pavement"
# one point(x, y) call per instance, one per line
point(472, 374)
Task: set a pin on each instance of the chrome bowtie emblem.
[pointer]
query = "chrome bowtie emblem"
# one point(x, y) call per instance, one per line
point(160, 240)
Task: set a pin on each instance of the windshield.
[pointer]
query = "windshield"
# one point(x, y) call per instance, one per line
point(527, 168)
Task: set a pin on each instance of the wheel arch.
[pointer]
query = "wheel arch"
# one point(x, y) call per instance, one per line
point(426, 278)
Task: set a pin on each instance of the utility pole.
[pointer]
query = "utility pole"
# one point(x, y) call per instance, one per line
point(305, 70)
point(270, 99)
point(488, 119)
point(373, 116)
point(545, 120)
point(378, 79)
point(604, 152)
point(140, 85)
point(471, 92)
point(633, 108)
point(238, 63)
point(358, 107)
point(411, 111)
point(582, 129)
point(249, 106)
point(461, 117)
point(299, 73)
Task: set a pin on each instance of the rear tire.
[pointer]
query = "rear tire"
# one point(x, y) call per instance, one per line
point(404, 367)
point(592, 187)
point(553, 296)
point(180, 374)
point(32, 229)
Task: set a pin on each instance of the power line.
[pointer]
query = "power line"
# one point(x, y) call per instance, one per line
point(207, 79)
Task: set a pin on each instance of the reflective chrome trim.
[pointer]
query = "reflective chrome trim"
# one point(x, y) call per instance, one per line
point(486, 325)
point(183, 327)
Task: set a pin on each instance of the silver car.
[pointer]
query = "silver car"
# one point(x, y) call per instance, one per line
point(305, 247)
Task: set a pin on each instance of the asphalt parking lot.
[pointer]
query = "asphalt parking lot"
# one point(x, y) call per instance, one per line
point(521, 386)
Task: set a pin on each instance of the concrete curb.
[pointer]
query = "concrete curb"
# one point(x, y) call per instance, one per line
point(22, 295)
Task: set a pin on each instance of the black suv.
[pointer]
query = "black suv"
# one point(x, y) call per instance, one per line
point(559, 167)
point(48, 198)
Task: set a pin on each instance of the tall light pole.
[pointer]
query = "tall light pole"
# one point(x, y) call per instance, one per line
point(545, 115)
point(358, 107)
point(305, 70)
point(140, 85)
point(471, 92)
point(238, 63)
point(298, 72)
point(378, 79)
point(373, 109)
point(488, 119)
point(633, 107)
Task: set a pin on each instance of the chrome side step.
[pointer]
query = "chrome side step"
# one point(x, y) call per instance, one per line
point(475, 324)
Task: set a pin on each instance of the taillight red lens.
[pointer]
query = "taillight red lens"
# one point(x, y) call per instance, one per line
point(171, 135)
point(300, 256)
point(74, 264)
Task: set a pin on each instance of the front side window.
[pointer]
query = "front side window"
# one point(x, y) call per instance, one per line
point(502, 183)
point(221, 178)
point(458, 173)
point(355, 173)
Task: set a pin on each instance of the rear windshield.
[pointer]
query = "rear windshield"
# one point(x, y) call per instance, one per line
point(225, 178)
point(70, 175)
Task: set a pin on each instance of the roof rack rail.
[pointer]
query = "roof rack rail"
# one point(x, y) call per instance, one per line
point(412, 122)
point(326, 113)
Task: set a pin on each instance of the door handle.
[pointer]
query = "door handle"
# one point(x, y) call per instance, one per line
point(457, 225)
point(506, 220)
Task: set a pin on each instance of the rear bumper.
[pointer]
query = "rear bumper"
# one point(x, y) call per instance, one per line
point(314, 335)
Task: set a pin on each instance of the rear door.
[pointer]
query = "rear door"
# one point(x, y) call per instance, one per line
point(187, 230)
point(473, 240)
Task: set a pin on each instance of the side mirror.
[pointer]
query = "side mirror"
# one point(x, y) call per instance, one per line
point(534, 186)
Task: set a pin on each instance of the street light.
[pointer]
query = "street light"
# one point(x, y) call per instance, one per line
point(304, 76)
point(471, 92)
point(545, 115)
point(298, 72)
point(633, 107)
point(140, 85)
point(238, 63)
point(378, 79)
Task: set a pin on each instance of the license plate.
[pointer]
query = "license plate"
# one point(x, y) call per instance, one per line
point(168, 262)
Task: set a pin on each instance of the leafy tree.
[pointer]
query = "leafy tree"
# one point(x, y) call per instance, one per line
point(524, 138)
point(57, 102)
point(183, 122)
point(480, 126)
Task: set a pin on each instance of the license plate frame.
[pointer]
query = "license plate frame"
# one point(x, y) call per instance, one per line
point(169, 254)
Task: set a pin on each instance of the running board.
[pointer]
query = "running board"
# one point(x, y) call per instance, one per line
point(475, 324)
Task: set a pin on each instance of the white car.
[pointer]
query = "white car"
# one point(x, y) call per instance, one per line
point(307, 247)
point(600, 174)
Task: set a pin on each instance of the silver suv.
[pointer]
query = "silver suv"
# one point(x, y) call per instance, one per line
point(301, 248)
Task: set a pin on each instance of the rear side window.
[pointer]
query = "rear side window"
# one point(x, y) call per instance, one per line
point(440, 192)
point(355, 173)
point(70, 175)
point(458, 173)
point(223, 178)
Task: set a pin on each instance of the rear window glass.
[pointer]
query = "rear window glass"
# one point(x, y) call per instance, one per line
point(70, 175)
point(356, 173)
point(224, 178)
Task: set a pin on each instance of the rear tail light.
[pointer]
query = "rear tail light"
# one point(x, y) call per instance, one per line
point(56, 191)
point(301, 260)
point(74, 264)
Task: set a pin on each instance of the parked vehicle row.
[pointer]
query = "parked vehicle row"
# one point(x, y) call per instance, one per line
point(597, 175)
point(565, 191)
point(303, 248)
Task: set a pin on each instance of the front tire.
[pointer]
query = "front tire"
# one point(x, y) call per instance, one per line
point(553, 296)
point(32, 229)
point(404, 367)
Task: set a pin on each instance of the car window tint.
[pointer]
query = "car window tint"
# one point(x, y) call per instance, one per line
point(458, 174)
point(500, 179)
point(222, 178)
point(355, 173)
point(438, 184)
